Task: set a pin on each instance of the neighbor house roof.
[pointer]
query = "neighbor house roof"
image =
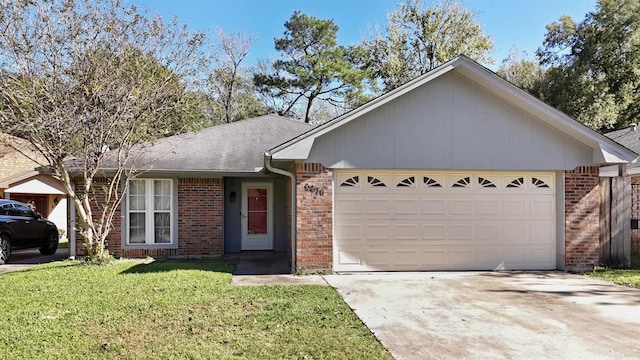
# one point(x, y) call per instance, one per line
point(605, 151)
point(629, 137)
point(237, 147)
point(18, 160)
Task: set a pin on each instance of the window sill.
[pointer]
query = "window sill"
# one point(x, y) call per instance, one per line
point(149, 246)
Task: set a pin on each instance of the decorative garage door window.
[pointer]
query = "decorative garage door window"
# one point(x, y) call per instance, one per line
point(429, 182)
point(516, 183)
point(407, 182)
point(464, 182)
point(352, 181)
point(377, 180)
point(539, 183)
point(485, 183)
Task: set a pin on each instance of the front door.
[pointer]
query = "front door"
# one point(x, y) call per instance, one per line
point(257, 216)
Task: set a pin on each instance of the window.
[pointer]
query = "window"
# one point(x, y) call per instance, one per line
point(375, 182)
point(149, 212)
point(352, 181)
point(429, 182)
point(21, 210)
point(486, 183)
point(408, 182)
point(462, 183)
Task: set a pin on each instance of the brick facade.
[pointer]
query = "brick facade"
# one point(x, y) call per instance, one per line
point(582, 216)
point(200, 216)
point(200, 221)
point(314, 217)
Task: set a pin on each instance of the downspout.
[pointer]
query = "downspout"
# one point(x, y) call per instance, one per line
point(72, 226)
point(267, 163)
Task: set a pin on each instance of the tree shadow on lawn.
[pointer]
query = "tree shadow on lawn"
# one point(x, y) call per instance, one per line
point(159, 266)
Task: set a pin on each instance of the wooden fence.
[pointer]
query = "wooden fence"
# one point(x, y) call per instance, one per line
point(615, 221)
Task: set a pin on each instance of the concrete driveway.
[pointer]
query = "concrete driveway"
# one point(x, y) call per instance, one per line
point(548, 315)
point(24, 259)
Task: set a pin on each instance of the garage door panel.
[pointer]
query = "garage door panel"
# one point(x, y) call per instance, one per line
point(488, 207)
point(542, 207)
point(405, 207)
point(515, 207)
point(434, 258)
point(461, 232)
point(406, 233)
point(489, 258)
point(378, 233)
point(461, 258)
point(377, 207)
point(349, 258)
point(541, 256)
point(542, 232)
point(444, 221)
point(437, 231)
point(460, 207)
point(430, 206)
point(488, 232)
point(348, 206)
point(350, 233)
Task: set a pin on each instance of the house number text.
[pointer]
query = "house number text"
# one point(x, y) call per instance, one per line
point(313, 189)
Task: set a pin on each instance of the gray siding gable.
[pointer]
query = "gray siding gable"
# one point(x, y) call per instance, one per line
point(449, 123)
point(460, 115)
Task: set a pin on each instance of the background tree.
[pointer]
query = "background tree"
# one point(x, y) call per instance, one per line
point(229, 83)
point(82, 76)
point(313, 67)
point(523, 72)
point(418, 38)
point(594, 66)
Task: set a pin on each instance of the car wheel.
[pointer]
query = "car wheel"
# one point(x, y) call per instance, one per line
point(5, 249)
point(51, 246)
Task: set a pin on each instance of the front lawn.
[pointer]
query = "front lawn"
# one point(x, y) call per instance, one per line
point(623, 277)
point(169, 310)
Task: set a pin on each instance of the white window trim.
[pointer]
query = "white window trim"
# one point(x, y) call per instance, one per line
point(149, 219)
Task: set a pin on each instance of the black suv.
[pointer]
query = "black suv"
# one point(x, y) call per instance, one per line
point(22, 228)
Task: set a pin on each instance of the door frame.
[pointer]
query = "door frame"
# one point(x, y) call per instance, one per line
point(244, 236)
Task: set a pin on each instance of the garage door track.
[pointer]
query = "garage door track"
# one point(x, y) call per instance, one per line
point(502, 315)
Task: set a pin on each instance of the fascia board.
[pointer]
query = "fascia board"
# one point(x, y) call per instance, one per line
point(297, 151)
point(604, 154)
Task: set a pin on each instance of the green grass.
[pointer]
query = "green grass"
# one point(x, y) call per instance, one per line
point(168, 310)
point(623, 277)
point(64, 243)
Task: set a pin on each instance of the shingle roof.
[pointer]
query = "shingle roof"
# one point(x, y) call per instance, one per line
point(628, 137)
point(17, 158)
point(234, 147)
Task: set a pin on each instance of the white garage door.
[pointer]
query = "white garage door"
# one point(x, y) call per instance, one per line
point(386, 221)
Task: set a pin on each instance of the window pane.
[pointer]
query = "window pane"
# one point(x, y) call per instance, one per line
point(257, 199)
point(162, 228)
point(162, 195)
point(257, 222)
point(137, 195)
point(136, 228)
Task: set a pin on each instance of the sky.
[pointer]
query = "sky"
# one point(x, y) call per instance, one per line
point(511, 24)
